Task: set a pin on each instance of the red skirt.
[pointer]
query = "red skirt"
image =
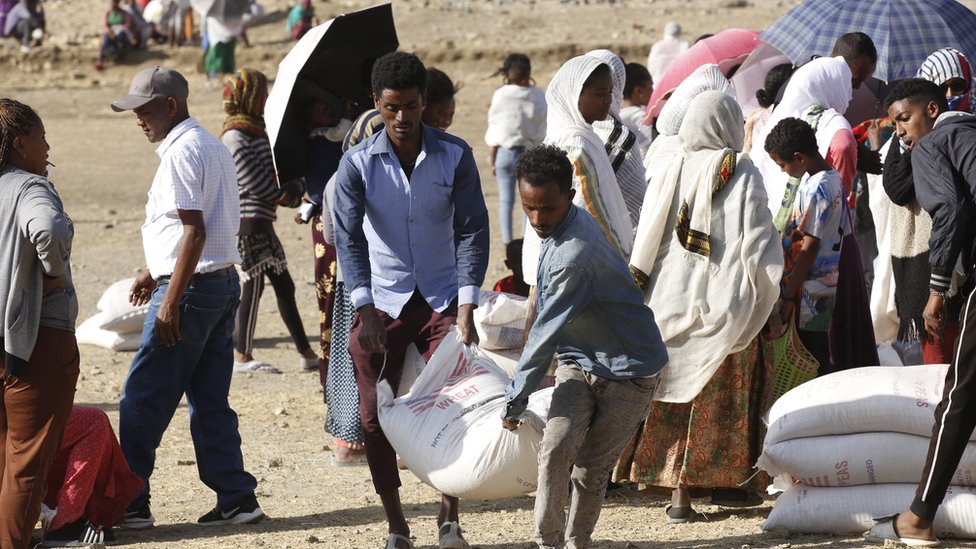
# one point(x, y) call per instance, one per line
point(89, 477)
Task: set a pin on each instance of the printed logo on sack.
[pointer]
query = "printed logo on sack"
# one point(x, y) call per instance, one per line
point(463, 374)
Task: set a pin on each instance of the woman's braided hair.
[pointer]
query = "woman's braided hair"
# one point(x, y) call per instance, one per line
point(16, 120)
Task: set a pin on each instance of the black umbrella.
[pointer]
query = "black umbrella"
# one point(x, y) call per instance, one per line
point(335, 57)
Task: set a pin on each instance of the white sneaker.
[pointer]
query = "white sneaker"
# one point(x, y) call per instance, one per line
point(450, 536)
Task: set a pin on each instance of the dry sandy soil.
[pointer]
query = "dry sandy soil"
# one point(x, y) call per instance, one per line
point(104, 168)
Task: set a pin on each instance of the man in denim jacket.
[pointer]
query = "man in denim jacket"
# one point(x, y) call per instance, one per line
point(593, 317)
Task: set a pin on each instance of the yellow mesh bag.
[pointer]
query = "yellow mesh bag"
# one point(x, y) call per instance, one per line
point(792, 362)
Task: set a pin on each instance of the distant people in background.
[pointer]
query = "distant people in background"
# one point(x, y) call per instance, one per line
point(665, 50)
point(516, 121)
point(439, 104)
point(89, 484)
point(637, 92)
point(177, 22)
point(38, 308)
point(514, 283)
point(26, 23)
point(775, 79)
point(222, 41)
point(153, 12)
point(301, 18)
point(5, 7)
point(144, 30)
point(119, 34)
point(244, 135)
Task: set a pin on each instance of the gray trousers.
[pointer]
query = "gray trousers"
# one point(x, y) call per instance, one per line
point(590, 421)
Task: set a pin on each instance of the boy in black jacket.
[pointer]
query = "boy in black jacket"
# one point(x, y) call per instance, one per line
point(943, 148)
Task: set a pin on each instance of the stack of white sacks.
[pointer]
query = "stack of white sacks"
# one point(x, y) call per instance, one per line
point(446, 422)
point(849, 447)
point(118, 324)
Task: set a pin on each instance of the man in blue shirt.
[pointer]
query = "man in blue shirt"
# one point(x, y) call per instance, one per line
point(411, 230)
point(592, 315)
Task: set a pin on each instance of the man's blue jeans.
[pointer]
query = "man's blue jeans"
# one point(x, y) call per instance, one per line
point(200, 365)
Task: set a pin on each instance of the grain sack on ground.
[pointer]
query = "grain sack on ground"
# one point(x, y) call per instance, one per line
point(852, 510)
point(863, 458)
point(859, 400)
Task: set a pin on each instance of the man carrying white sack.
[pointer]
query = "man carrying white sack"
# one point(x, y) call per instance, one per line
point(943, 146)
point(593, 317)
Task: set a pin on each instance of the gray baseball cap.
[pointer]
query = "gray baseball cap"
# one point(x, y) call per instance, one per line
point(152, 83)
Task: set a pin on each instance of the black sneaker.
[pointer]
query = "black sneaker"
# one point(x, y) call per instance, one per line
point(137, 519)
point(246, 511)
point(80, 533)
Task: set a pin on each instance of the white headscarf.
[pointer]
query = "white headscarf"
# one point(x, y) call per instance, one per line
point(567, 129)
point(705, 77)
point(708, 304)
point(824, 81)
point(619, 72)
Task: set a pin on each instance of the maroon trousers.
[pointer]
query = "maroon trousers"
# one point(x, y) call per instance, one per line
point(417, 324)
point(34, 410)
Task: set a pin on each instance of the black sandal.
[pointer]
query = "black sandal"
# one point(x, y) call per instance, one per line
point(679, 515)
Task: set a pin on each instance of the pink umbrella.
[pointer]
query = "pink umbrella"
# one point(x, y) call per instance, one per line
point(726, 49)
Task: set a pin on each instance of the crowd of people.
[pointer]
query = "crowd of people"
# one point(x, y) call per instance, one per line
point(662, 259)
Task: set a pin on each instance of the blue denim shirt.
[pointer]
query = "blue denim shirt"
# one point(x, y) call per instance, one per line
point(590, 312)
point(395, 235)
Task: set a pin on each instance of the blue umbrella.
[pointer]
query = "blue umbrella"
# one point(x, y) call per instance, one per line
point(904, 31)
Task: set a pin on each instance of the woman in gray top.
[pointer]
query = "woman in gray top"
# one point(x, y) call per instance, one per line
point(38, 308)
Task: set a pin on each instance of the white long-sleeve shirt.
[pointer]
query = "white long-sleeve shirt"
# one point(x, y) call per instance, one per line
point(516, 117)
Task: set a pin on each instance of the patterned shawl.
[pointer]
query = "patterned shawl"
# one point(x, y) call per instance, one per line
point(245, 92)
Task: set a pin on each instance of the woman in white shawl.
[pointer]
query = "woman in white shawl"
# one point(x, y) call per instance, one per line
point(704, 78)
point(579, 95)
point(621, 142)
point(826, 82)
point(713, 264)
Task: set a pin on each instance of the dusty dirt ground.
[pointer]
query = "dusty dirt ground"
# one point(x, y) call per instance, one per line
point(104, 168)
